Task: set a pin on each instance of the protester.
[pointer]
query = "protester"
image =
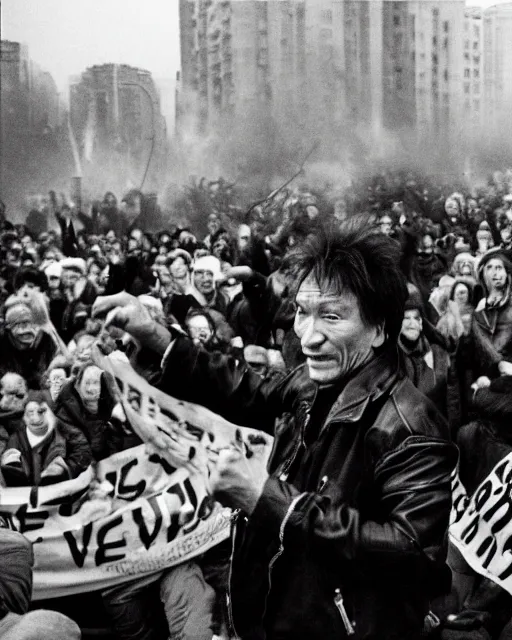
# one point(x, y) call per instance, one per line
point(348, 320)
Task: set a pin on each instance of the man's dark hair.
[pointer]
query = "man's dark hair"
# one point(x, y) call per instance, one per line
point(356, 258)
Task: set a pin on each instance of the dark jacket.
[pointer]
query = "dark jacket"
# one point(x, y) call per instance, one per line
point(428, 367)
point(491, 332)
point(29, 363)
point(34, 460)
point(65, 441)
point(16, 561)
point(358, 499)
point(70, 410)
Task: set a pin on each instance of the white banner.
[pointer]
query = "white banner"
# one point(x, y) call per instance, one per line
point(139, 511)
point(481, 527)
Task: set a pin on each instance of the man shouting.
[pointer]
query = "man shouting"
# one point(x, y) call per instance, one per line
point(345, 536)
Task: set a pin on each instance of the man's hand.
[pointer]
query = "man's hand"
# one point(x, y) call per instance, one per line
point(235, 482)
point(128, 313)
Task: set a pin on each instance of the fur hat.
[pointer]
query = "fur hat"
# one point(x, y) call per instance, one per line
point(75, 264)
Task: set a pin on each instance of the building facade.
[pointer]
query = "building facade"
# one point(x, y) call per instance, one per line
point(32, 121)
point(497, 70)
point(118, 127)
point(377, 64)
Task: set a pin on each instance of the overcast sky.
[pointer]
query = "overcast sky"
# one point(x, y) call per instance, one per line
point(66, 36)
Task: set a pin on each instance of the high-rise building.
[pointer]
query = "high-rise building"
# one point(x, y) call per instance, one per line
point(31, 123)
point(497, 68)
point(382, 64)
point(116, 118)
point(473, 83)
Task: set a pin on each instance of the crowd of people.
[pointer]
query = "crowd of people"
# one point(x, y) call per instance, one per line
point(233, 313)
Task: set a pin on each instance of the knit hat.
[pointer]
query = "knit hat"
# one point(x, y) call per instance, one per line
point(75, 264)
point(53, 270)
point(208, 263)
point(414, 299)
point(17, 313)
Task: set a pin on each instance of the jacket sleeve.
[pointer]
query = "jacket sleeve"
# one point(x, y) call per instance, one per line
point(485, 353)
point(224, 385)
point(78, 451)
point(405, 530)
point(16, 560)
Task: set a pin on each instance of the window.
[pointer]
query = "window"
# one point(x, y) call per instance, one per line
point(445, 75)
point(476, 73)
point(476, 89)
point(466, 88)
point(434, 41)
point(396, 20)
point(467, 73)
point(325, 34)
point(476, 105)
point(446, 26)
point(475, 46)
point(327, 16)
point(466, 44)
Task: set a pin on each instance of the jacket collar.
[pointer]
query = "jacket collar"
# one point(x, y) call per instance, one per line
point(368, 385)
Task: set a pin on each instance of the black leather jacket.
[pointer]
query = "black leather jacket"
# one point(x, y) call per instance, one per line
point(357, 504)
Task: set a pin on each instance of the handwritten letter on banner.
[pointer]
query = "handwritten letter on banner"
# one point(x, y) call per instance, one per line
point(481, 527)
point(139, 511)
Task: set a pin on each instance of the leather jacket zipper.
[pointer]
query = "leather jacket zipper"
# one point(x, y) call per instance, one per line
point(338, 601)
point(229, 600)
point(280, 551)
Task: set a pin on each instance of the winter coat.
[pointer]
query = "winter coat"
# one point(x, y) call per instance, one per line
point(359, 495)
point(70, 410)
point(29, 363)
point(430, 370)
point(65, 441)
point(491, 332)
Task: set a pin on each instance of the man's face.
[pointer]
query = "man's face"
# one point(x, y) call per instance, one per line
point(53, 282)
point(203, 281)
point(24, 332)
point(90, 386)
point(179, 268)
point(69, 278)
point(199, 329)
point(412, 325)
point(333, 336)
point(56, 380)
point(452, 208)
point(244, 236)
point(111, 236)
point(13, 393)
point(495, 276)
point(36, 418)
point(461, 294)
